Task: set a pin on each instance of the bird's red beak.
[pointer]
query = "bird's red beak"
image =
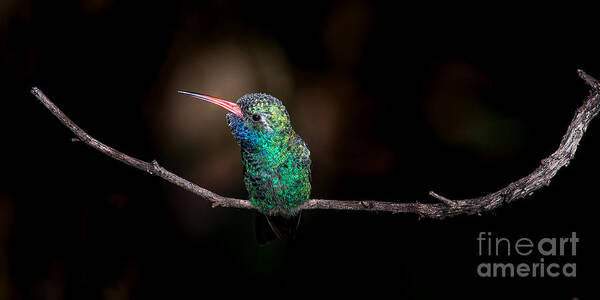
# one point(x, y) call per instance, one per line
point(230, 106)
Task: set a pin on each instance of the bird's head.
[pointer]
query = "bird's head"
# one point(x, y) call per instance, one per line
point(257, 121)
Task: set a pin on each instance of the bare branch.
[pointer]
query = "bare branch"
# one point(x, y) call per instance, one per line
point(151, 167)
point(516, 190)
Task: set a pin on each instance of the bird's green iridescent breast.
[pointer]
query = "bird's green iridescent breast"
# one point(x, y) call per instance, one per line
point(278, 179)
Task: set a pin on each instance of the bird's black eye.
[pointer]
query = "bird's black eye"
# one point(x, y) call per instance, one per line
point(256, 117)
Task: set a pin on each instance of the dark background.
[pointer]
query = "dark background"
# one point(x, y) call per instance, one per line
point(393, 100)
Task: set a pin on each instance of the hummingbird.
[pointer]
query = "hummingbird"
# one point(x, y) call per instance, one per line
point(275, 161)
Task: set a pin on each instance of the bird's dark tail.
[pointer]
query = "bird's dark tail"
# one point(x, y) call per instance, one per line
point(284, 228)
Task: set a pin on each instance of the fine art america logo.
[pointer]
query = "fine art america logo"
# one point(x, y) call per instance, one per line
point(524, 257)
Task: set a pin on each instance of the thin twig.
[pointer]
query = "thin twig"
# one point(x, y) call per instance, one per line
point(516, 190)
point(151, 167)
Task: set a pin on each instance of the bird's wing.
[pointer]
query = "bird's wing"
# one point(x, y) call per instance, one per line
point(303, 155)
